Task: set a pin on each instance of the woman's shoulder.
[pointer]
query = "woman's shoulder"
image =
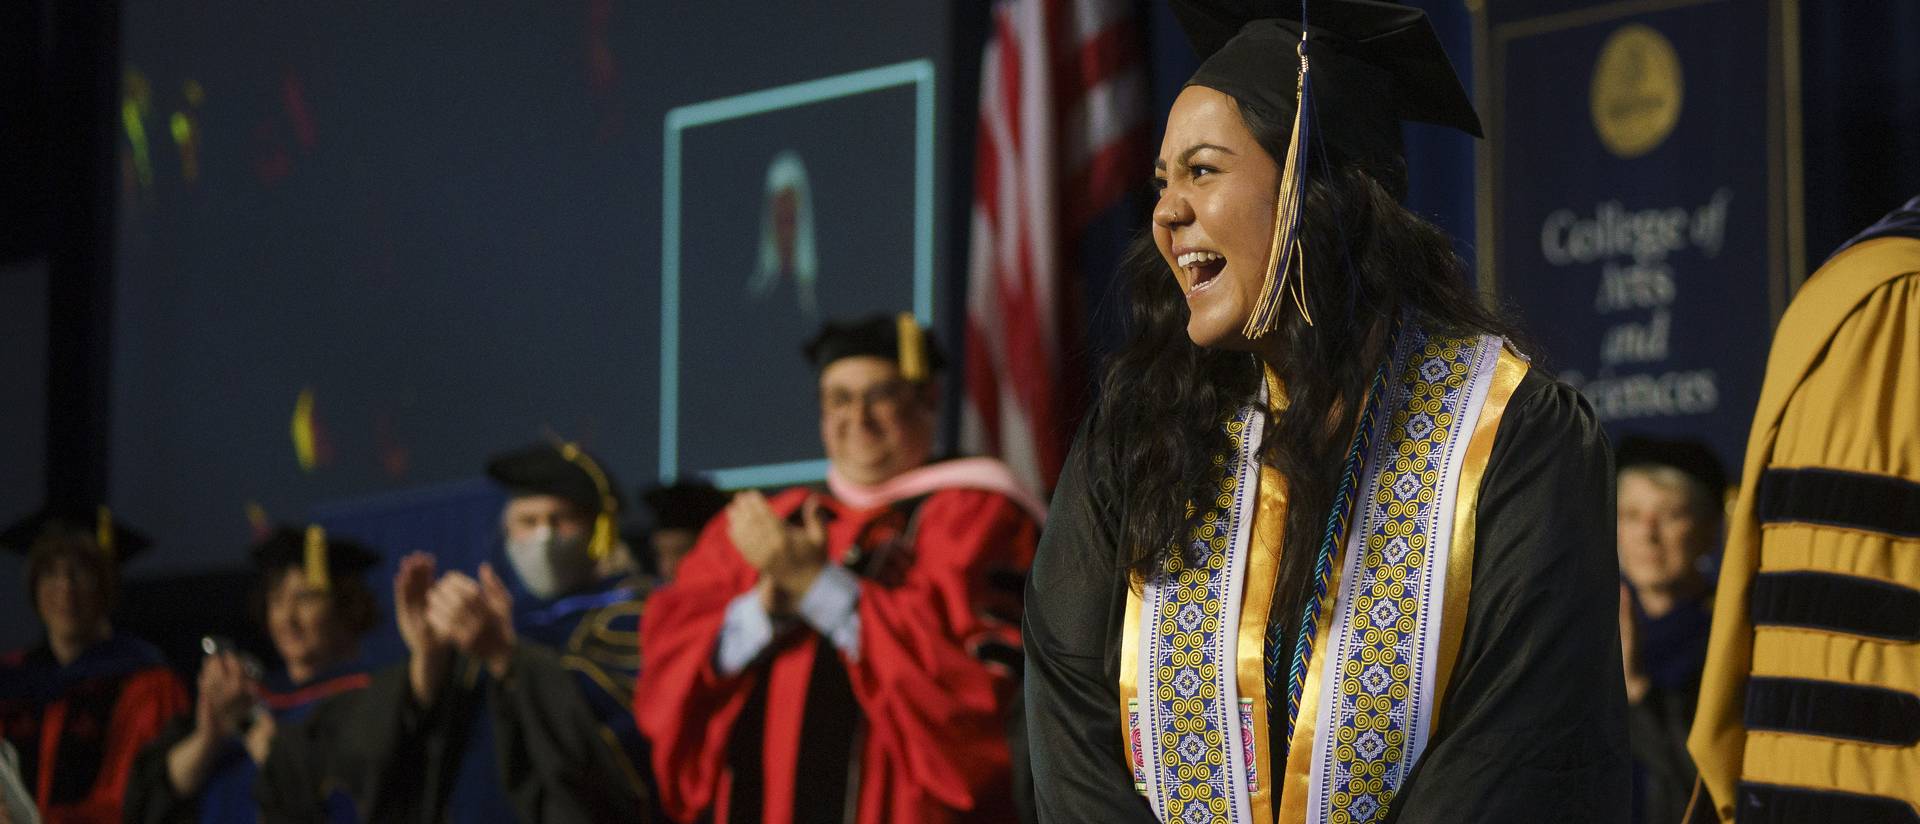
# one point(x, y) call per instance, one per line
point(1546, 497)
point(1548, 411)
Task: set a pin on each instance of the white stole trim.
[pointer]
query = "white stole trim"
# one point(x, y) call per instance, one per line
point(1220, 714)
point(1347, 677)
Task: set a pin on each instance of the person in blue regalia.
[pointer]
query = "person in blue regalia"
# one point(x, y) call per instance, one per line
point(316, 608)
point(514, 700)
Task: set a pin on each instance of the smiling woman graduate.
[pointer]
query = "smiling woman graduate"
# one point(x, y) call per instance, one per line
point(1328, 549)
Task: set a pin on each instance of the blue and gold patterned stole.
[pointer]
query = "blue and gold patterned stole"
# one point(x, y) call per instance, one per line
point(1371, 666)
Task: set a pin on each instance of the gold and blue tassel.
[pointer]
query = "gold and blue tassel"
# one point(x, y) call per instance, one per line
point(1286, 257)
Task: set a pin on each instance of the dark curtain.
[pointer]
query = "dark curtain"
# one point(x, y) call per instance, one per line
point(1860, 93)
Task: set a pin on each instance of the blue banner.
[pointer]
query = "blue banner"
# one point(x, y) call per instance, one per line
point(1639, 200)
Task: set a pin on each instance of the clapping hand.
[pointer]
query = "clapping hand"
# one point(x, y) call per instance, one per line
point(427, 659)
point(1638, 682)
point(475, 615)
point(226, 696)
point(410, 587)
point(788, 557)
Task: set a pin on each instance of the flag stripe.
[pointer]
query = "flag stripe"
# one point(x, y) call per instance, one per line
point(1061, 135)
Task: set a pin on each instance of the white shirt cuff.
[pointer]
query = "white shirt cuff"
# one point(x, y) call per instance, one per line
point(744, 634)
point(830, 608)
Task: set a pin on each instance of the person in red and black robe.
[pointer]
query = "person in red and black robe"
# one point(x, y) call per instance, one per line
point(79, 706)
point(848, 653)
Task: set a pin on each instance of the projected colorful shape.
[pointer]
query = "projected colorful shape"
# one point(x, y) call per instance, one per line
point(185, 125)
point(395, 458)
point(183, 138)
point(135, 102)
point(310, 447)
point(257, 521)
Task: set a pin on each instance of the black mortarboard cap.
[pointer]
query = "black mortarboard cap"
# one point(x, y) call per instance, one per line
point(1690, 457)
point(286, 548)
point(561, 470)
point(1373, 64)
point(685, 505)
point(97, 521)
point(879, 336)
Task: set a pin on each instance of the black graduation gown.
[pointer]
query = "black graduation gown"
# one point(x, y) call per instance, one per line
point(227, 796)
point(1674, 651)
point(552, 758)
point(1534, 725)
point(554, 741)
point(372, 745)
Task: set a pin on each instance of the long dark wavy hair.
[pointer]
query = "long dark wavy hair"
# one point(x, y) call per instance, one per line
point(1158, 422)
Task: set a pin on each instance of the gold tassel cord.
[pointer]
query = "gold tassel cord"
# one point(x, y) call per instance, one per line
point(1285, 253)
point(1299, 290)
point(316, 559)
point(913, 348)
point(600, 546)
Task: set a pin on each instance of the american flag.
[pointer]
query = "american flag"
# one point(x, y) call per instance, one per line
point(1062, 136)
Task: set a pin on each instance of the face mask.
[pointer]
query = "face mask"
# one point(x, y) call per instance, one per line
point(550, 565)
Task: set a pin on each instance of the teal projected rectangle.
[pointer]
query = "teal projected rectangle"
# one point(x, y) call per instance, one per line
point(883, 117)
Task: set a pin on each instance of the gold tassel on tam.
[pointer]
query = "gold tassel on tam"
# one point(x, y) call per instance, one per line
point(600, 546)
point(103, 529)
point(913, 349)
point(1285, 256)
point(317, 576)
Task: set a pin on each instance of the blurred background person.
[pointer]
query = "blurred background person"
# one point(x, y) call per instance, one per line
point(78, 707)
point(847, 655)
point(679, 512)
point(516, 689)
point(316, 609)
point(1671, 498)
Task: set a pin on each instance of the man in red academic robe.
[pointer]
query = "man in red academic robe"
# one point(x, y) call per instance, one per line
point(79, 707)
point(848, 654)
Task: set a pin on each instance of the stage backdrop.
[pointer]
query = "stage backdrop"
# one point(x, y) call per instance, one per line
point(362, 246)
point(23, 408)
point(1640, 199)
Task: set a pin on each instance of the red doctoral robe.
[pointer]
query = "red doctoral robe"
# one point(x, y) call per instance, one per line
point(77, 728)
point(930, 730)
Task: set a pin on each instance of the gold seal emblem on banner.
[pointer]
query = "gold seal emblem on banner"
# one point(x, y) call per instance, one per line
point(1636, 91)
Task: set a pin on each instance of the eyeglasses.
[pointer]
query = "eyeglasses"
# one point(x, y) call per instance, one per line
point(889, 395)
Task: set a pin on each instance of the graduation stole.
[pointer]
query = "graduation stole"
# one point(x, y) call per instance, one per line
point(303, 697)
point(1192, 665)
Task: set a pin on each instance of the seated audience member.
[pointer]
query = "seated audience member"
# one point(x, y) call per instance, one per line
point(78, 707)
point(846, 655)
point(1670, 496)
point(680, 511)
point(316, 609)
point(514, 698)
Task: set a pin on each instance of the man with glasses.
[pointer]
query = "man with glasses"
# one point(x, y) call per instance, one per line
point(848, 652)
